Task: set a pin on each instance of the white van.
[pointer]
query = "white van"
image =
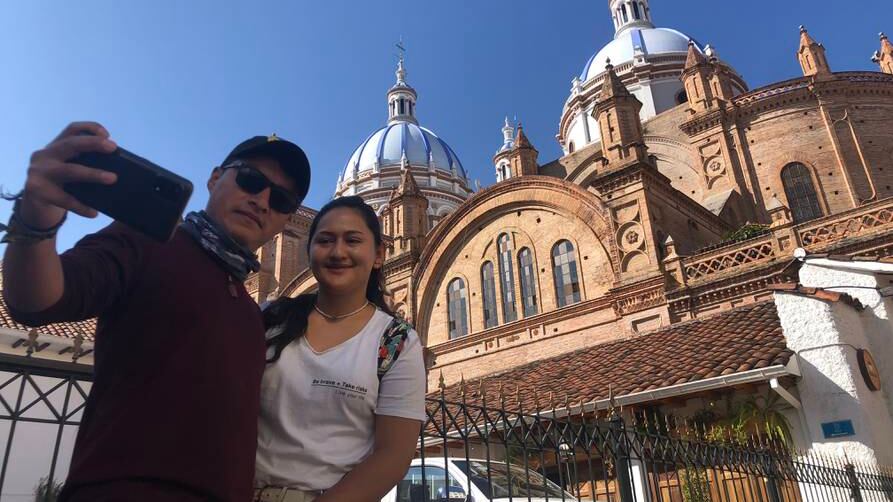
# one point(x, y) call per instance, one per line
point(471, 474)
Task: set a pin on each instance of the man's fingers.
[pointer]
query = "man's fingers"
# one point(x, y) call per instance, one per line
point(60, 198)
point(67, 148)
point(68, 172)
point(76, 128)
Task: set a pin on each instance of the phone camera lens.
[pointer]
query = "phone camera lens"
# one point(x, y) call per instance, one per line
point(166, 189)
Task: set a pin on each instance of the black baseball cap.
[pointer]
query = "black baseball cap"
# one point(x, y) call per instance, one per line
point(289, 155)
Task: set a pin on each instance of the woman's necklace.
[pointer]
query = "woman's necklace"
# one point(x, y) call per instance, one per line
point(342, 316)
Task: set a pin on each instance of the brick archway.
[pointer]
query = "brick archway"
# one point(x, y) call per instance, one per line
point(517, 194)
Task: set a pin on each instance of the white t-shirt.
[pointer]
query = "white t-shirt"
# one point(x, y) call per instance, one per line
point(317, 418)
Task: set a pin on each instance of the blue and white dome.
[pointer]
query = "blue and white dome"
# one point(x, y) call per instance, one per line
point(377, 166)
point(399, 140)
point(637, 42)
point(649, 62)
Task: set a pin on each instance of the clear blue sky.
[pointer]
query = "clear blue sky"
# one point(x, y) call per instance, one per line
point(181, 82)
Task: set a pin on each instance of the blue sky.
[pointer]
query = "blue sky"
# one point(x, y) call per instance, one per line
point(182, 82)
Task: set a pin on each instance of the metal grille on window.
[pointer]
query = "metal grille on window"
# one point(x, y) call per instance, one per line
point(564, 268)
point(528, 282)
point(507, 278)
point(488, 289)
point(457, 301)
point(801, 194)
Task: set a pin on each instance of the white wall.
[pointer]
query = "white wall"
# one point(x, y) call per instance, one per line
point(825, 336)
point(864, 286)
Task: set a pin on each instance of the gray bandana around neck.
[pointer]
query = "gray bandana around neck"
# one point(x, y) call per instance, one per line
point(237, 260)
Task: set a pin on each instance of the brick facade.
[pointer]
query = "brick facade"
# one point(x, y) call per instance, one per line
point(640, 207)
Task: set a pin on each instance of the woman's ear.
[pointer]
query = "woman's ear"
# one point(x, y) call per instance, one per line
point(379, 256)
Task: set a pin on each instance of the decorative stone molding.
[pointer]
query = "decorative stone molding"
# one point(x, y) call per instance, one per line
point(715, 262)
point(864, 220)
point(637, 302)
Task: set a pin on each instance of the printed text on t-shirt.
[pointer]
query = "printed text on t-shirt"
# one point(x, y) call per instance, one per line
point(341, 388)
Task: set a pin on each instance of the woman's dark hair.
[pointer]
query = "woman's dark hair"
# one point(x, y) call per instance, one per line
point(292, 313)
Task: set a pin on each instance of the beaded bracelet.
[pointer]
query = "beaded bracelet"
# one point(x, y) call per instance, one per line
point(19, 232)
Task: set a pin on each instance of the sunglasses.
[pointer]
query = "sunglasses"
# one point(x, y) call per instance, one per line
point(252, 181)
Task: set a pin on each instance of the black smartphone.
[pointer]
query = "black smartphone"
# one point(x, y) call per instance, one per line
point(146, 197)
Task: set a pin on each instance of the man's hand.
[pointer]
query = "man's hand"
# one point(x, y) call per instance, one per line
point(44, 199)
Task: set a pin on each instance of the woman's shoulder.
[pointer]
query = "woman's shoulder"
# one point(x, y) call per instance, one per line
point(393, 323)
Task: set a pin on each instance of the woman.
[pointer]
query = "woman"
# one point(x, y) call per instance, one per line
point(331, 428)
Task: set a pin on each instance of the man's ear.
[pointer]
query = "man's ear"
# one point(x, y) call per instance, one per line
point(215, 176)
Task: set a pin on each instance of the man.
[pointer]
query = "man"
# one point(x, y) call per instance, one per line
point(172, 414)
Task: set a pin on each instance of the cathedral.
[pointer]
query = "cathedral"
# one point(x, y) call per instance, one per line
point(641, 265)
point(659, 261)
point(666, 154)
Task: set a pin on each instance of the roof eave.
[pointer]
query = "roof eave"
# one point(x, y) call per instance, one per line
point(744, 377)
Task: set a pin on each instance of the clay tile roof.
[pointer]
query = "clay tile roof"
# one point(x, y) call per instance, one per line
point(819, 293)
point(850, 257)
point(739, 340)
point(85, 329)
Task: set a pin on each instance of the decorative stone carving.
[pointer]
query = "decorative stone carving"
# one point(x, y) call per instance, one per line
point(630, 237)
point(638, 302)
point(712, 161)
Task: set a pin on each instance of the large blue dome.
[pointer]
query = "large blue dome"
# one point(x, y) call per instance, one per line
point(390, 144)
point(648, 42)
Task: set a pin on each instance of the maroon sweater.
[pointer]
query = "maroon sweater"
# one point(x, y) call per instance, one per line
point(178, 363)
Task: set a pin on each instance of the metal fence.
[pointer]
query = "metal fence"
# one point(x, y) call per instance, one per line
point(478, 446)
point(41, 403)
point(484, 449)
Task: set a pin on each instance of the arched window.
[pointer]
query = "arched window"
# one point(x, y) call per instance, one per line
point(507, 278)
point(623, 11)
point(682, 97)
point(802, 198)
point(636, 11)
point(488, 290)
point(564, 268)
point(571, 147)
point(457, 302)
point(527, 274)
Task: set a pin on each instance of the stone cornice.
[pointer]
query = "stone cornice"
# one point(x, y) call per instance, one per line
point(776, 94)
point(703, 121)
point(394, 172)
point(727, 288)
point(400, 262)
point(631, 174)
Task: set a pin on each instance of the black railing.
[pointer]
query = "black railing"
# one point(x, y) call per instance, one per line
point(483, 446)
point(571, 452)
point(41, 402)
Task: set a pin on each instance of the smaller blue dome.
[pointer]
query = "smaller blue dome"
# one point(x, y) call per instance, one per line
point(391, 143)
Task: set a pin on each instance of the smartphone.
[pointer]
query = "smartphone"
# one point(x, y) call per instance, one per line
point(146, 197)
